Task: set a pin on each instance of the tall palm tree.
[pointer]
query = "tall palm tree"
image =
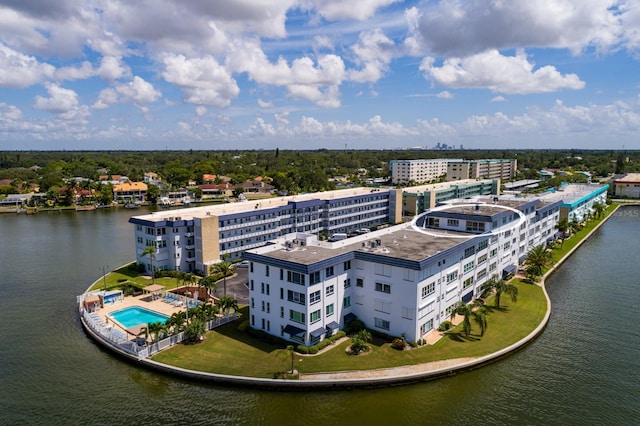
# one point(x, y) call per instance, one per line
point(225, 268)
point(539, 258)
point(499, 286)
point(477, 310)
point(151, 251)
point(188, 278)
point(599, 208)
point(463, 309)
point(562, 226)
point(208, 283)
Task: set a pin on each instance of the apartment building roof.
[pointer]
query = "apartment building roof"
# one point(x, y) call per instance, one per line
point(632, 178)
point(246, 206)
point(399, 243)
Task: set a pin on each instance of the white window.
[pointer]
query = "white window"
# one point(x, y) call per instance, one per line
point(384, 288)
point(383, 324)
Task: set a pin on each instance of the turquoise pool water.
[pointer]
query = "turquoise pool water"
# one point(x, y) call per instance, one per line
point(135, 315)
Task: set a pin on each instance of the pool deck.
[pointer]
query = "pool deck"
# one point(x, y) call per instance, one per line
point(143, 301)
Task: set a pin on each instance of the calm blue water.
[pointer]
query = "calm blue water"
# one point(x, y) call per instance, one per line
point(134, 315)
point(583, 370)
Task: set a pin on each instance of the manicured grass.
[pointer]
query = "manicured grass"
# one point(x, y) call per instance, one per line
point(559, 252)
point(228, 351)
point(124, 273)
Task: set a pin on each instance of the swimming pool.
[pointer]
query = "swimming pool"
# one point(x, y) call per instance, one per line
point(135, 315)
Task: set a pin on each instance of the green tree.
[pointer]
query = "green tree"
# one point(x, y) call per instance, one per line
point(151, 252)
point(599, 208)
point(195, 330)
point(227, 303)
point(475, 310)
point(562, 226)
point(153, 192)
point(155, 329)
point(210, 284)
point(359, 342)
point(177, 321)
point(538, 258)
point(499, 286)
point(225, 269)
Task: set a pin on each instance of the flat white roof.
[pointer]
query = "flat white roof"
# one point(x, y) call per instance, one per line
point(245, 206)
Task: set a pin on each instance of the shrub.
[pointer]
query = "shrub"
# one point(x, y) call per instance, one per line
point(313, 349)
point(323, 344)
point(414, 344)
point(302, 349)
point(339, 335)
point(444, 326)
point(398, 344)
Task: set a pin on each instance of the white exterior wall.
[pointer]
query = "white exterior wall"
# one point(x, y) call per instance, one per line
point(403, 171)
point(407, 312)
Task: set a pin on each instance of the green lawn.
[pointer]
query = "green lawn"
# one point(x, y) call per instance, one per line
point(114, 278)
point(228, 351)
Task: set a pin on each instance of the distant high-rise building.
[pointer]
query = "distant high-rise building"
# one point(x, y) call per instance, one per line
point(504, 169)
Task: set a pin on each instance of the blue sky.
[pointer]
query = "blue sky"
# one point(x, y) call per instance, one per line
point(308, 74)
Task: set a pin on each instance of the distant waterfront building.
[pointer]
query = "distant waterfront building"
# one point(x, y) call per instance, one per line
point(418, 199)
point(417, 171)
point(577, 199)
point(627, 186)
point(503, 169)
point(130, 190)
point(195, 238)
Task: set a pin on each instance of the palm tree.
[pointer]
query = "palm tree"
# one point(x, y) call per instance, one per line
point(177, 321)
point(461, 308)
point(227, 303)
point(538, 258)
point(151, 251)
point(208, 283)
point(467, 311)
point(188, 278)
point(499, 286)
point(225, 268)
point(562, 226)
point(155, 328)
point(599, 209)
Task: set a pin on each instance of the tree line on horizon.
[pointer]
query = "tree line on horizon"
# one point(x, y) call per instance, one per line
point(293, 171)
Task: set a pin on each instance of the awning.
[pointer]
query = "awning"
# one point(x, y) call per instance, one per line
point(349, 317)
point(510, 269)
point(332, 325)
point(293, 330)
point(153, 287)
point(319, 332)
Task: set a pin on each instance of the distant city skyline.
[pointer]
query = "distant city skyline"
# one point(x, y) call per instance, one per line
point(294, 74)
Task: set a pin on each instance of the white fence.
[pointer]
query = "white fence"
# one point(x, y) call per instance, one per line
point(121, 340)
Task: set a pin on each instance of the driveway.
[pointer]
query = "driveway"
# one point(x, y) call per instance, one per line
point(237, 286)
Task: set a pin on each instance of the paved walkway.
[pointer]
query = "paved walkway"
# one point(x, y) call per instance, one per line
point(381, 373)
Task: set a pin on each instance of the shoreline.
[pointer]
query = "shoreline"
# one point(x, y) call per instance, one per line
point(358, 379)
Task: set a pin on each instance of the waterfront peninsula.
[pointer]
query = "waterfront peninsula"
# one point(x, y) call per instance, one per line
point(228, 351)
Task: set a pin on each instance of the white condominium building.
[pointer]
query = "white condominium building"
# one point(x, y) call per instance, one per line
point(193, 239)
point(417, 171)
point(403, 280)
